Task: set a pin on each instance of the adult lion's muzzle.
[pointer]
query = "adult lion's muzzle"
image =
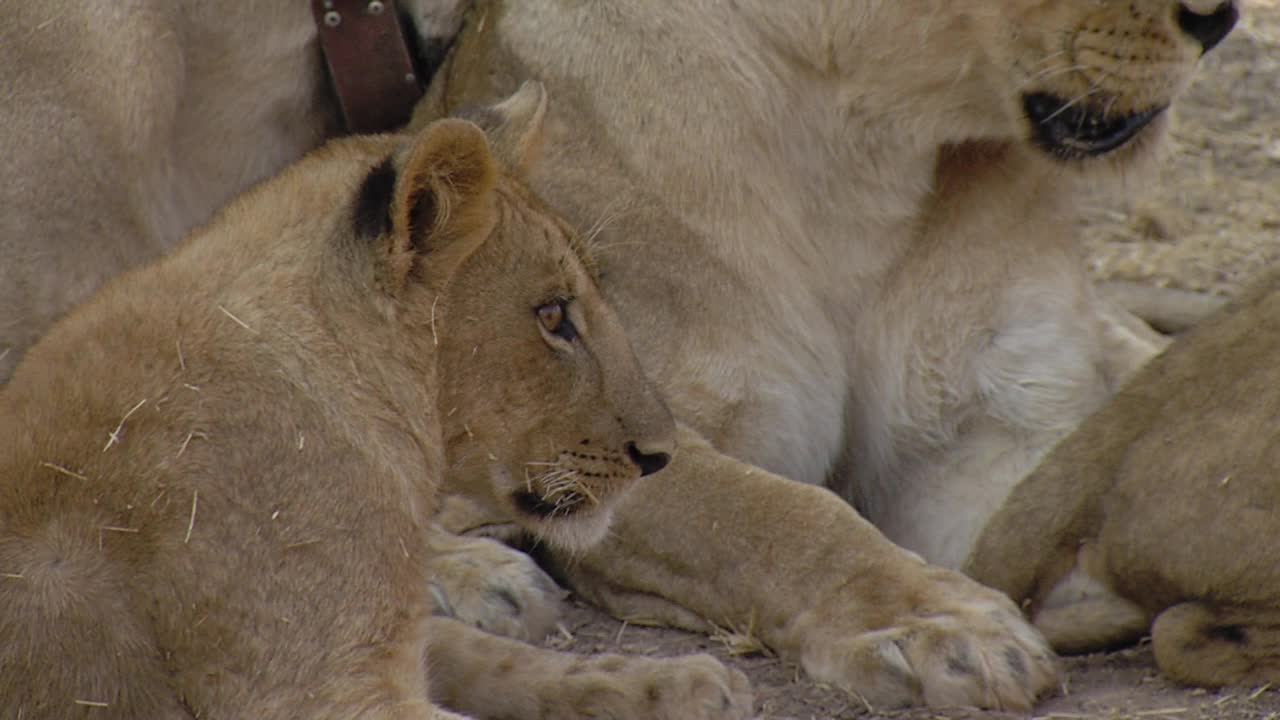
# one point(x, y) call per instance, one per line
point(1110, 78)
point(1077, 131)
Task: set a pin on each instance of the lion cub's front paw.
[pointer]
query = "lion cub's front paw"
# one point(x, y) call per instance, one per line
point(490, 586)
point(696, 687)
point(964, 645)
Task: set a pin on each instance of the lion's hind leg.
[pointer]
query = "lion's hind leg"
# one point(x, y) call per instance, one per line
point(1200, 643)
point(72, 642)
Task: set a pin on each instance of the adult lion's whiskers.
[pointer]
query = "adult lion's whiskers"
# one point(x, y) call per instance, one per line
point(612, 211)
point(1055, 71)
point(1070, 104)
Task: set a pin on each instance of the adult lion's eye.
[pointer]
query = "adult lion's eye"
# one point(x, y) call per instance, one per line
point(554, 319)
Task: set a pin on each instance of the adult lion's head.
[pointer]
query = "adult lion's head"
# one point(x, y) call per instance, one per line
point(1076, 78)
point(1094, 75)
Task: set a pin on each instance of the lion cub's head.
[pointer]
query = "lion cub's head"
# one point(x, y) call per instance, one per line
point(547, 414)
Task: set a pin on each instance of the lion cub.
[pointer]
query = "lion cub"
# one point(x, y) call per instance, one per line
point(1162, 511)
point(217, 475)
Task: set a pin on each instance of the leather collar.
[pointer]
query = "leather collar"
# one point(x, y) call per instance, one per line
point(370, 63)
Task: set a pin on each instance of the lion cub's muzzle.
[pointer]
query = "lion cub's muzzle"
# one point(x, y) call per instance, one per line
point(585, 478)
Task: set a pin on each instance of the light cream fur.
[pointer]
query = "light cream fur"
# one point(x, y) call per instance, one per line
point(1160, 513)
point(219, 473)
point(127, 124)
point(846, 263)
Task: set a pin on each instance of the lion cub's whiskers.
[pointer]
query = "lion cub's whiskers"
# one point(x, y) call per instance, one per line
point(559, 484)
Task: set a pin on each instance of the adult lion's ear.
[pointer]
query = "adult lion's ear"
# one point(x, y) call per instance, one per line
point(515, 126)
point(425, 208)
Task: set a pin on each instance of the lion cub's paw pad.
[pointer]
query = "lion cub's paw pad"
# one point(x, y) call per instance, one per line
point(980, 654)
point(495, 588)
point(696, 687)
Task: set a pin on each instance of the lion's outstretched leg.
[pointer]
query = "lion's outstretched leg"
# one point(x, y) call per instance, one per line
point(1200, 643)
point(493, 677)
point(799, 568)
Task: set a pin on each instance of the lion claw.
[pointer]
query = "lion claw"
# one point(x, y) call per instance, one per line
point(971, 652)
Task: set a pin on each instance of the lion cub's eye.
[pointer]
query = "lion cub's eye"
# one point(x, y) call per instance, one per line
point(554, 318)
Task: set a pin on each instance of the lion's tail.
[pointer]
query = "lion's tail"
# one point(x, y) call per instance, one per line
point(1200, 643)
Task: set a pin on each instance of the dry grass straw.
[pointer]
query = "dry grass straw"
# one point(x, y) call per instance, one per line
point(114, 436)
point(740, 642)
point(63, 471)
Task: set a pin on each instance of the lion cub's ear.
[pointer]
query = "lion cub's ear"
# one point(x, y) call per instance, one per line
point(425, 208)
point(514, 126)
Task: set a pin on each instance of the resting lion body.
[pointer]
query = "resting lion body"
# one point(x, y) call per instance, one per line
point(840, 235)
point(1160, 512)
point(128, 124)
point(219, 473)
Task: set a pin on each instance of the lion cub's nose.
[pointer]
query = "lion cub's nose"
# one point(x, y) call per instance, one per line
point(649, 462)
point(1207, 25)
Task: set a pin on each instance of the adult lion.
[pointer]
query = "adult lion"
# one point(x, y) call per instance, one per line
point(1162, 511)
point(841, 235)
point(125, 125)
point(218, 474)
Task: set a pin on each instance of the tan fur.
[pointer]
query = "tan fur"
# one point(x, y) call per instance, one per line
point(845, 263)
point(822, 223)
point(1167, 502)
point(125, 125)
point(218, 473)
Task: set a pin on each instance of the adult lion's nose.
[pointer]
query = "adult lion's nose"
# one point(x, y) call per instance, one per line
point(1208, 22)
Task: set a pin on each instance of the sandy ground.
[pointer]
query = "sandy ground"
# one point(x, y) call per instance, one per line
point(1206, 223)
point(1211, 218)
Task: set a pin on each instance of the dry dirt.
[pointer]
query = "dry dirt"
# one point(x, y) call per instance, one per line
point(1206, 223)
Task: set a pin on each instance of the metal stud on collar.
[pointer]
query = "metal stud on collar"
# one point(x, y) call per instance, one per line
point(332, 17)
point(369, 62)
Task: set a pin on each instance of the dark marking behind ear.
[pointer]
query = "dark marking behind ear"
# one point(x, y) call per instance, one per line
point(372, 217)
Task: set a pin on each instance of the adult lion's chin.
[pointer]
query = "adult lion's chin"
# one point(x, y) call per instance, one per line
point(1072, 130)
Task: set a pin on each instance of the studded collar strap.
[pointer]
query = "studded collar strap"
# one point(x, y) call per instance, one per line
point(369, 61)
